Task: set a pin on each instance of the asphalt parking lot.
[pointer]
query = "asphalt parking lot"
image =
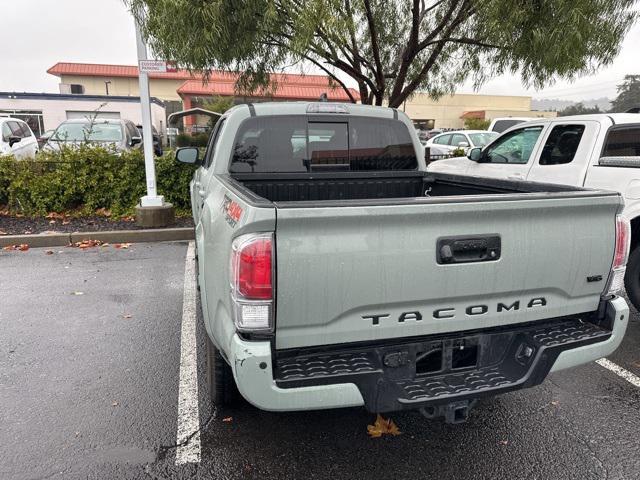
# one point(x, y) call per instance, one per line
point(90, 379)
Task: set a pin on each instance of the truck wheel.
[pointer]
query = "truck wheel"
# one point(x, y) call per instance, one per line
point(222, 386)
point(632, 278)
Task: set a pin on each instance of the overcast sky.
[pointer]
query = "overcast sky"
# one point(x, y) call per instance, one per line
point(101, 31)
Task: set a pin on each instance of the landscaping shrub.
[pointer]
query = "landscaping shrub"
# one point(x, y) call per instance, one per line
point(87, 178)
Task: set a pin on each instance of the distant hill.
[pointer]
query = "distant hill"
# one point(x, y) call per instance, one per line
point(556, 104)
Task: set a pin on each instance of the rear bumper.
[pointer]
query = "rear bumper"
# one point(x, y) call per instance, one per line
point(383, 377)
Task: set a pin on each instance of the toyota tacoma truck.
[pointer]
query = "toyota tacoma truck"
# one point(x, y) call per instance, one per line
point(335, 271)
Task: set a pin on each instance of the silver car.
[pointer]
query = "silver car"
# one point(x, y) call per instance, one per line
point(118, 134)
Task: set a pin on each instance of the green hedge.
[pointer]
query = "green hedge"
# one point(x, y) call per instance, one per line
point(88, 178)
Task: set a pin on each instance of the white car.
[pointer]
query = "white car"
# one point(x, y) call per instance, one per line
point(17, 139)
point(599, 151)
point(450, 141)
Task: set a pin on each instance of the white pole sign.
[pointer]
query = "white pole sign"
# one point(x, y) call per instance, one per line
point(152, 66)
point(151, 199)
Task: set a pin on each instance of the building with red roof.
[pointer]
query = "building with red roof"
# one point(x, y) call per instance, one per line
point(182, 89)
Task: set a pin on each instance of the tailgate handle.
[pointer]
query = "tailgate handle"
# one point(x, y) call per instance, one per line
point(468, 249)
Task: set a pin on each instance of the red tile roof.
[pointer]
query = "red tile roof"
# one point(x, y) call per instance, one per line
point(104, 70)
point(101, 70)
point(479, 114)
point(284, 88)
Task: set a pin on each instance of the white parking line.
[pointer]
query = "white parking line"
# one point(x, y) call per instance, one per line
point(621, 372)
point(188, 415)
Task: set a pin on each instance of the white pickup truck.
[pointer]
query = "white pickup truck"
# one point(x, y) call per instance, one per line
point(596, 151)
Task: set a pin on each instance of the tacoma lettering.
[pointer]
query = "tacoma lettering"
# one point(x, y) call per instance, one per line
point(450, 312)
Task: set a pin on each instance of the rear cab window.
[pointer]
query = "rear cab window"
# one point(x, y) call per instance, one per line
point(622, 141)
point(297, 143)
point(561, 145)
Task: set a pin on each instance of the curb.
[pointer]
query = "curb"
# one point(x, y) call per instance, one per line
point(111, 236)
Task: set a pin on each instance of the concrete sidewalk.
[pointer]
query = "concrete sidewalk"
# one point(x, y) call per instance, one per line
point(112, 236)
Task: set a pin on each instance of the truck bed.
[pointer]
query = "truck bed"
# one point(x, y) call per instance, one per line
point(373, 186)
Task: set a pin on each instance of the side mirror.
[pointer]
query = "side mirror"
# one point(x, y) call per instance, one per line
point(189, 155)
point(463, 144)
point(475, 154)
point(136, 140)
point(13, 139)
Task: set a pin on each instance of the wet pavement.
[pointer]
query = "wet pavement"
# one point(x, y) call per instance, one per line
point(89, 375)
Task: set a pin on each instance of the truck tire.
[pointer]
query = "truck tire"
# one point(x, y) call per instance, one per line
point(222, 386)
point(632, 278)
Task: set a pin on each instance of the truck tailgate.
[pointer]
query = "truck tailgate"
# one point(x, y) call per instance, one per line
point(351, 273)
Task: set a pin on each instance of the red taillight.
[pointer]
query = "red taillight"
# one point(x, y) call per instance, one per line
point(623, 237)
point(253, 269)
point(615, 283)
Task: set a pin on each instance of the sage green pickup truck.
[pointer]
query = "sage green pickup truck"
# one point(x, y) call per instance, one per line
point(335, 271)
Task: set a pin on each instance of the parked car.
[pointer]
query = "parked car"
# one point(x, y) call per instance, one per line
point(17, 139)
point(595, 151)
point(463, 139)
point(119, 134)
point(423, 135)
point(433, 132)
point(42, 139)
point(157, 140)
point(501, 124)
point(334, 271)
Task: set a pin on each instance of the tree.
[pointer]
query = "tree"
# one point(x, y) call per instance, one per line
point(578, 109)
point(389, 48)
point(476, 123)
point(217, 104)
point(628, 94)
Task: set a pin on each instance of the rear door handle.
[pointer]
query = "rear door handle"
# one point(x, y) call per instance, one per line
point(468, 249)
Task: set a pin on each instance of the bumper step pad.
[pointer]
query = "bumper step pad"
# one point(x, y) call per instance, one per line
point(391, 377)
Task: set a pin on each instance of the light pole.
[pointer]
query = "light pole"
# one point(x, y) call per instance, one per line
point(152, 210)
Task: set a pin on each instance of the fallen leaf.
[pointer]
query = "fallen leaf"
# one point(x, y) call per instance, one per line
point(126, 315)
point(103, 212)
point(121, 245)
point(382, 427)
point(66, 222)
point(555, 403)
point(227, 419)
point(23, 247)
point(128, 218)
point(77, 293)
point(86, 244)
point(114, 404)
point(504, 442)
point(27, 232)
point(49, 252)
point(52, 222)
